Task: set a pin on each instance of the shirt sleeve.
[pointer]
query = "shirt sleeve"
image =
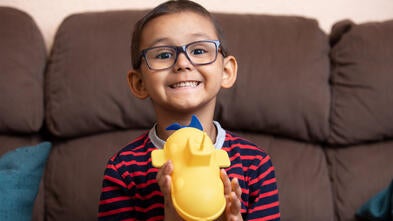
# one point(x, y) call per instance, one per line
point(263, 199)
point(115, 201)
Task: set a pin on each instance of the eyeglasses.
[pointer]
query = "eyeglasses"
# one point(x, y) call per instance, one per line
point(198, 53)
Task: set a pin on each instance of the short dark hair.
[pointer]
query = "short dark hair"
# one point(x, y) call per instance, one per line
point(169, 7)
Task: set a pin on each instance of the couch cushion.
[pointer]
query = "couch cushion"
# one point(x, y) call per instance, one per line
point(11, 142)
point(302, 175)
point(283, 77)
point(74, 174)
point(20, 174)
point(358, 173)
point(362, 79)
point(87, 89)
point(22, 64)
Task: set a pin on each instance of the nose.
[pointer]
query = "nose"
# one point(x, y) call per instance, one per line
point(182, 62)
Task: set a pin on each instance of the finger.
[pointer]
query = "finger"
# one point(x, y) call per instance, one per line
point(164, 179)
point(160, 174)
point(236, 187)
point(166, 169)
point(166, 186)
point(226, 182)
point(235, 204)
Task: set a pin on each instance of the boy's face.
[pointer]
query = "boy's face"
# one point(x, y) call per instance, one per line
point(183, 87)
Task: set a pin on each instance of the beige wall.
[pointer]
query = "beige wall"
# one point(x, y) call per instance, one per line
point(49, 13)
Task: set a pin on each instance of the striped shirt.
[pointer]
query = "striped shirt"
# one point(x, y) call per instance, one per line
point(130, 190)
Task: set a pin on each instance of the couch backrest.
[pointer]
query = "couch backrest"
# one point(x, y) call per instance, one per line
point(87, 90)
point(283, 64)
point(283, 78)
point(22, 65)
point(362, 76)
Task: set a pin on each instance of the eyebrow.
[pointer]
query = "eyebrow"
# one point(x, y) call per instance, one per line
point(203, 36)
point(160, 40)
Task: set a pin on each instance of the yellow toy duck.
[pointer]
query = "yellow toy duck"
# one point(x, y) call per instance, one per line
point(197, 189)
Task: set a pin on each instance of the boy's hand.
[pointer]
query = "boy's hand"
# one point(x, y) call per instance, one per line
point(232, 192)
point(164, 181)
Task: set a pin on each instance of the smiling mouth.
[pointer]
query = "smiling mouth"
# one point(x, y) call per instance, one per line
point(184, 84)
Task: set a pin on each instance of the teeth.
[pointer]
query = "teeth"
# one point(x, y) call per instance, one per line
point(185, 84)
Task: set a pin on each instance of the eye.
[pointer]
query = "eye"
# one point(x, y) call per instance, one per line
point(163, 55)
point(198, 51)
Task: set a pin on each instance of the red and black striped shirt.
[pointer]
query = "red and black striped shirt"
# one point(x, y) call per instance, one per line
point(130, 190)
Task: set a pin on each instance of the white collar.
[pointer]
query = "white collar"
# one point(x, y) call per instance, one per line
point(159, 143)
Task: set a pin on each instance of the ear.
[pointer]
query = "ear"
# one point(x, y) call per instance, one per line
point(136, 84)
point(230, 72)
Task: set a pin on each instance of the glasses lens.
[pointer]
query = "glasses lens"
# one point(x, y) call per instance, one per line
point(160, 57)
point(202, 52)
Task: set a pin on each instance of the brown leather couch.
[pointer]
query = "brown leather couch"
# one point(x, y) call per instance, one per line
point(321, 104)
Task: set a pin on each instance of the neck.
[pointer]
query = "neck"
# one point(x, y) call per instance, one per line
point(164, 119)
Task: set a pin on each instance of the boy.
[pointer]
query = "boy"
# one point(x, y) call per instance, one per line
point(180, 63)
